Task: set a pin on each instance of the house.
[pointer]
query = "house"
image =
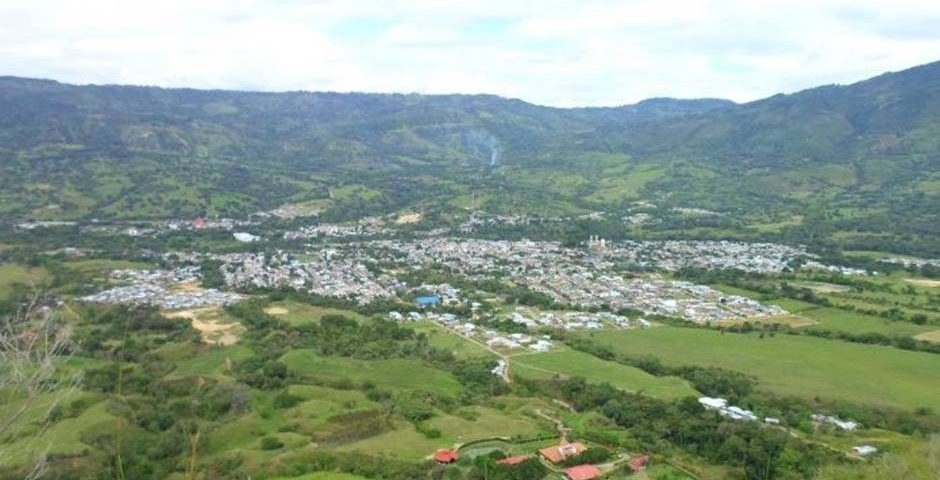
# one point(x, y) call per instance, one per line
point(514, 460)
point(582, 472)
point(561, 452)
point(864, 450)
point(445, 456)
point(427, 301)
point(639, 462)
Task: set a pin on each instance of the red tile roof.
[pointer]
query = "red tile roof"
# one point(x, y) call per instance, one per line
point(639, 462)
point(446, 456)
point(515, 460)
point(561, 452)
point(583, 472)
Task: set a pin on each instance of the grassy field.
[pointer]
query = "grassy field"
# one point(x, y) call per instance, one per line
point(794, 365)
point(62, 437)
point(103, 266)
point(910, 453)
point(573, 363)
point(834, 318)
point(442, 338)
point(324, 476)
point(396, 373)
point(197, 359)
point(12, 274)
point(474, 423)
point(307, 419)
point(297, 313)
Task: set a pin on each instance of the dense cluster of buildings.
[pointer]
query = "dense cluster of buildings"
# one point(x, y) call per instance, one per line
point(674, 255)
point(573, 320)
point(327, 275)
point(365, 227)
point(156, 287)
point(814, 265)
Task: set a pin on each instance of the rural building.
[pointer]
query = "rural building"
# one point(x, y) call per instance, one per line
point(639, 462)
point(428, 301)
point(445, 456)
point(582, 472)
point(514, 460)
point(561, 452)
point(864, 450)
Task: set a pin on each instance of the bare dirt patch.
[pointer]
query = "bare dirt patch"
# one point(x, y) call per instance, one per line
point(823, 287)
point(933, 337)
point(408, 218)
point(191, 287)
point(211, 325)
point(795, 321)
point(274, 310)
point(923, 282)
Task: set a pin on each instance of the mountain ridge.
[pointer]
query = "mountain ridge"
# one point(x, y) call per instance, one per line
point(861, 150)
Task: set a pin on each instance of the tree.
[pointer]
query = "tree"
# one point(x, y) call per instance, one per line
point(34, 341)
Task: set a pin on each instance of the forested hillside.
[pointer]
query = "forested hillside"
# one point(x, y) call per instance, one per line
point(856, 165)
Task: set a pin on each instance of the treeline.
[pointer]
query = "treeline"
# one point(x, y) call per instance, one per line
point(756, 451)
point(339, 336)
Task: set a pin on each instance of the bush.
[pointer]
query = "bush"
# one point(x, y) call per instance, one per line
point(271, 443)
point(286, 400)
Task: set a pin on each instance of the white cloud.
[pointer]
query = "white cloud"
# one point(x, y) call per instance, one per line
point(557, 52)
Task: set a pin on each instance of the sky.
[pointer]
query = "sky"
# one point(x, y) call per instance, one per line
point(552, 52)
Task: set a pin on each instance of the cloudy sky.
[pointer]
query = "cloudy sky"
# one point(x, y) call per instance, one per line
point(552, 52)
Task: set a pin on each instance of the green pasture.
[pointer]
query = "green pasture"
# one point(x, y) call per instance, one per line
point(794, 365)
point(593, 369)
point(395, 373)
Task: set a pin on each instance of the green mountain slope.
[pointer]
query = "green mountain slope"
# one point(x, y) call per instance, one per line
point(860, 159)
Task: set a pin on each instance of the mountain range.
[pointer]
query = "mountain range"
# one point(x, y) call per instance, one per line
point(855, 164)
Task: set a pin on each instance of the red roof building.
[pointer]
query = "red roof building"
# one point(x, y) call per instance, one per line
point(446, 456)
point(514, 460)
point(638, 463)
point(199, 223)
point(562, 452)
point(582, 472)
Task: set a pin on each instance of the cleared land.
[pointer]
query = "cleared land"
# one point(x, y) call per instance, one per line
point(574, 363)
point(795, 321)
point(933, 336)
point(397, 373)
point(297, 313)
point(103, 265)
point(442, 338)
point(794, 365)
point(216, 327)
point(923, 282)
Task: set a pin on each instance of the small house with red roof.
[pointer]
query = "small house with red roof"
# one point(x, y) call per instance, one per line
point(445, 456)
point(639, 462)
point(558, 454)
point(583, 472)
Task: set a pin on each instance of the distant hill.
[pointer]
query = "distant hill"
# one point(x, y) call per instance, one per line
point(861, 159)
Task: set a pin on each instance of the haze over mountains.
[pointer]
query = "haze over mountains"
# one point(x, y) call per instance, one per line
point(851, 158)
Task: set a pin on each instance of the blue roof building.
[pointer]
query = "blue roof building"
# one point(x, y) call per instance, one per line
point(428, 300)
